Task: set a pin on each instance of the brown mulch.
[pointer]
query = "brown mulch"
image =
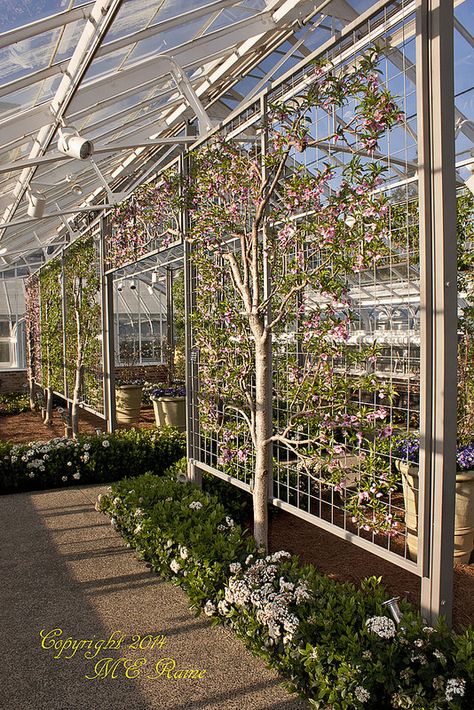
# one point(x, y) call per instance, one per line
point(344, 561)
point(333, 556)
point(28, 426)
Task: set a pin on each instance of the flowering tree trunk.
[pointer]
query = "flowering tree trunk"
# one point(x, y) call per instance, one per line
point(48, 392)
point(263, 434)
point(79, 373)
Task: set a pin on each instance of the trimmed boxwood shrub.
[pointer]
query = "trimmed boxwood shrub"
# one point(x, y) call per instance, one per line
point(89, 459)
point(334, 643)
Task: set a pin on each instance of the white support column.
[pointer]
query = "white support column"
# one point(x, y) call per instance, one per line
point(438, 296)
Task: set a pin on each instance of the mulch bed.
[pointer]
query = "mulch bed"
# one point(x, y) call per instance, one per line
point(344, 561)
point(27, 426)
point(331, 555)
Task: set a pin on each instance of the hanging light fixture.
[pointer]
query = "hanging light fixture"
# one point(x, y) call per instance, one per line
point(36, 203)
point(70, 143)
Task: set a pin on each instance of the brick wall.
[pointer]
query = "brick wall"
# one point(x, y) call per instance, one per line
point(12, 381)
point(149, 373)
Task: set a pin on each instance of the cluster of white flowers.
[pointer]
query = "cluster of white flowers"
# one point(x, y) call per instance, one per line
point(228, 525)
point(382, 626)
point(455, 686)
point(138, 528)
point(209, 608)
point(138, 513)
point(362, 695)
point(183, 552)
point(269, 594)
point(38, 453)
point(419, 658)
point(106, 443)
point(439, 656)
point(175, 566)
point(195, 505)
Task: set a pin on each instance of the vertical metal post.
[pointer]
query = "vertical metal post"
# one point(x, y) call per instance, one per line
point(170, 323)
point(64, 321)
point(267, 277)
point(108, 341)
point(192, 421)
point(438, 301)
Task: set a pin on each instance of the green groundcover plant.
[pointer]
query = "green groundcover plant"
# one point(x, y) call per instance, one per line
point(14, 404)
point(334, 643)
point(88, 459)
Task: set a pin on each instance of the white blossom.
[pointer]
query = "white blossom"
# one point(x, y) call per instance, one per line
point(455, 686)
point(439, 655)
point(361, 694)
point(76, 475)
point(382, 626)
point(209, 608)
point(195, 505)
point(106, 444)
point(64, 479)
point(223, 607)
point(183, 552)
point(175, 566)
point(235, 567)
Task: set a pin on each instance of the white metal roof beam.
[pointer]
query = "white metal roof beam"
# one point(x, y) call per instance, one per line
point(46, 24)
point(121, 43)
point(102, 15)
point(141, 75)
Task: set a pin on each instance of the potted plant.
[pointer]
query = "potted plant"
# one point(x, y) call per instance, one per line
point(128, 401)
point(407, 465)
point(169, 404)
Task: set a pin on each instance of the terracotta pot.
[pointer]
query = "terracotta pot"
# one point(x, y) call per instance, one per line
point(128, 400)
point(170, 411)
point(464, 511)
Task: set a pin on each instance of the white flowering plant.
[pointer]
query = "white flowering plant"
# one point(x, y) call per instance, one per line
point(185, 535)
point(334, 644)
point(88, 459)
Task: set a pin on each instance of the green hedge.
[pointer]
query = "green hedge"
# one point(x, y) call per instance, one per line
point(89, 459)
point(14, 404)
point(334, 643)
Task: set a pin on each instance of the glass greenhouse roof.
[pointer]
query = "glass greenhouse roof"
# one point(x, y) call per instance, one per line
point(127, 74)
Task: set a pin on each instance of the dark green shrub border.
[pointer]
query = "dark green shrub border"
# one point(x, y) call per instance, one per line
point(14, 404)
point(312, 629)
point(90, 459)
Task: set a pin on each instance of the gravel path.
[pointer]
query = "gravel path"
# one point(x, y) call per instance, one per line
point(66, 571)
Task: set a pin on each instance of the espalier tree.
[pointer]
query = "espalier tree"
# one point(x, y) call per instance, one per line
point(274, 245)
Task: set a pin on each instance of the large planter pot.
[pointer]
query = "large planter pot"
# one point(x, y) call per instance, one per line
point(464, 511)
point(128, 400)
point(170, 411)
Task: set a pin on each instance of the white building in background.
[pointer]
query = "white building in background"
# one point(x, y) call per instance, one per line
point(12, 324)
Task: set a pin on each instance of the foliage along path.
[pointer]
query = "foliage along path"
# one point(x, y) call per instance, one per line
point(64, 568)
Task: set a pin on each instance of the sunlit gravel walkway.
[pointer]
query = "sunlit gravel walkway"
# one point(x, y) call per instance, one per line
point(64, 568)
